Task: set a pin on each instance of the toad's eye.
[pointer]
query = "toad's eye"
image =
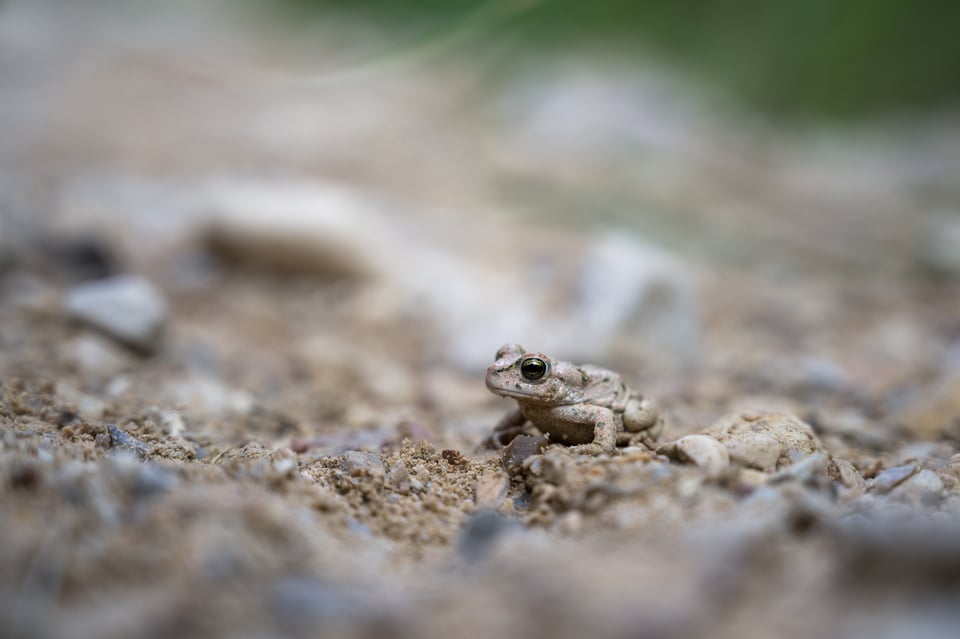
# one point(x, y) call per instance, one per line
point(533, 368)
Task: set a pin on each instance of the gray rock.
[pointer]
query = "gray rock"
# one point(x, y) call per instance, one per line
point(892, 477)
point(127, 308)
point(925, 486)
point(123, 441)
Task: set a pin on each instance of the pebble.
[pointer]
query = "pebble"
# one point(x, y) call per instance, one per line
point(359, 463)
point(120, 439)
point(519, 449)
point(703, 451)
point(892, 477)
point(924, 486)
point(765, 441)
point(127, 308)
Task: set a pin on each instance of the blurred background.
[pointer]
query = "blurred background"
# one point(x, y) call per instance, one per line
point(304, 227)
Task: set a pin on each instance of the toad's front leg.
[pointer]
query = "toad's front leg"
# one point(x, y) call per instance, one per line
point(603, 422)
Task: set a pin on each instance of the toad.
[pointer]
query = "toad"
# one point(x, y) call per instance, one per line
point(586, 407)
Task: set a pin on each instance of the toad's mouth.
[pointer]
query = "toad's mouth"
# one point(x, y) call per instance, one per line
point(511, 390)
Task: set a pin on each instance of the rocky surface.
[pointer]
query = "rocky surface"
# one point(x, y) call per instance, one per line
point(289, 441)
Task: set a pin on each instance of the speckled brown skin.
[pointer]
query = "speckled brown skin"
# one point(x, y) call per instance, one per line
point(587, 407)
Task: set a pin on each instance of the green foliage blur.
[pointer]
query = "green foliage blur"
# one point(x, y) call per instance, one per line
point(798, 59)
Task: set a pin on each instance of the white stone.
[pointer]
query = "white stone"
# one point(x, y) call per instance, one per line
point(128, 308)
point(701, 450)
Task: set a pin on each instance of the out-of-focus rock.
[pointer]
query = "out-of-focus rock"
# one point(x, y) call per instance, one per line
point(701, 450)
point(933, 412)
point(128, 308)
point(630, 293)
point(203, 397)
point(855, 427)
point(924, 486)
point(765, 441)
point(939, 248)
point(94, 357)
point(890, 478)
point(313, 228)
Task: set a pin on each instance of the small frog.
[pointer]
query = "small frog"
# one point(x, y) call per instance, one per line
point(587, 407)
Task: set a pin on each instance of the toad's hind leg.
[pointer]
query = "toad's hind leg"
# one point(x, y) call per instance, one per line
point(643, 419)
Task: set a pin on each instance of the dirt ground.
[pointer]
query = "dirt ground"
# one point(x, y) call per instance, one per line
point(290, 441)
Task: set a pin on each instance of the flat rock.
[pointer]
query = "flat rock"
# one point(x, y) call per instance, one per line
point(703, 451)
point(304, 227)
point(127, 308)
point(765, 441)
point(924, 486)
point(892, 477)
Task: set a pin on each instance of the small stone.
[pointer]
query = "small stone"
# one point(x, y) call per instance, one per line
point(924, 486)
point(703, 451)
point(765, 441)
point(491, 489)
point(519, 449)
point(892, 477)
point(127, 308)
point(123, 441)
point(358, 463)
point(399, 478)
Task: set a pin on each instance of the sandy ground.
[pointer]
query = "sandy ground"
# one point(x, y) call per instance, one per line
point(291, 443)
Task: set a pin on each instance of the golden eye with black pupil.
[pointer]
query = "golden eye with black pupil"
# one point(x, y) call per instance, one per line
point(533, 368)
